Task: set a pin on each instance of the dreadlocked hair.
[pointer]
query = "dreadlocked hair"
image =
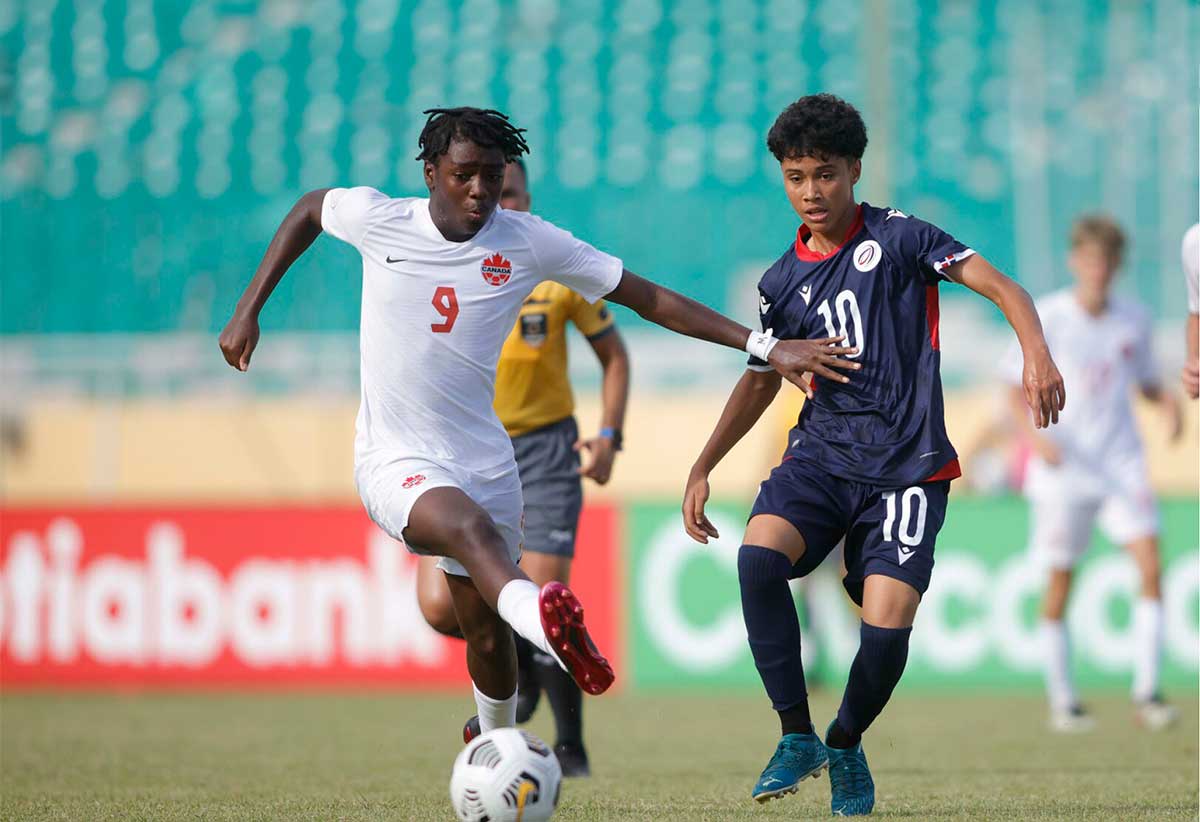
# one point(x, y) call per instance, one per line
point(485, 127)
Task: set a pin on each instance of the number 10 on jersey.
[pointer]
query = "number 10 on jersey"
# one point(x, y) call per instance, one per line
point(445, 302)
point(850, 327)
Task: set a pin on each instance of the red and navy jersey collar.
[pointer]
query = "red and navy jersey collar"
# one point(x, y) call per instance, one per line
point(803, 252)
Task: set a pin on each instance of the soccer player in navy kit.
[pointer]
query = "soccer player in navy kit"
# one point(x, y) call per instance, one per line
point(869, 460)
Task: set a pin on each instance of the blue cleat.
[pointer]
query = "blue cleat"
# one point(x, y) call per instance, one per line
point(797, 757)
point(850, 783)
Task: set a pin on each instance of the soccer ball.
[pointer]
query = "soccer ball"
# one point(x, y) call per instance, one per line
point(505, 775)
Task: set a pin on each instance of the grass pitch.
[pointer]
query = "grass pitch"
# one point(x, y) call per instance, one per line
point(387, 757)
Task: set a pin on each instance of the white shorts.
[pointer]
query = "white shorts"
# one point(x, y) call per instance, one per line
point(1061, 529)
point(390, 490)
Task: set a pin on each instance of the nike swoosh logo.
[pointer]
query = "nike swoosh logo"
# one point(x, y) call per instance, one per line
point(397, 260)
point(769, 781)
point(927, 454)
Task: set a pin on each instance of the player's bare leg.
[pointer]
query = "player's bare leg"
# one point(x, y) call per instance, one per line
point(1066, 714)
point(1151, 710)
point(1058, 588)
point(491, 655)
point(543, 568)
point(771, 546)
point(889, 603)
point(446, 522)
point(1146, 556)
point(433, 598)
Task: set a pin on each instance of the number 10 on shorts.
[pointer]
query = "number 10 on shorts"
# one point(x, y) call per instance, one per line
point(908, 534)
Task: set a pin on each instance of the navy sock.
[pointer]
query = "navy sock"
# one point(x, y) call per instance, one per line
point(882, 653)
point(774, 632)
point(566, 700)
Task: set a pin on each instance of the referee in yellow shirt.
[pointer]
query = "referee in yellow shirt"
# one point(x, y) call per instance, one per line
point(536, 406)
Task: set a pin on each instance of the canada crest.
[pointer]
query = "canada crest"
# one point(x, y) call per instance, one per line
point(496, 270)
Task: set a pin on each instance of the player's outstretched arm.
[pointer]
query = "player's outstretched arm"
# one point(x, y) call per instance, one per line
point(295, 234)
point(1191, 368)
point(614, 396)
point(1042, 384)
point(750, 398)
point(791, 358)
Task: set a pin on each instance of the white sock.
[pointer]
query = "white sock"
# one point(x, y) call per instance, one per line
point(1057, 651)
point(1147, 655)
point(495, 713)
point(518, 606)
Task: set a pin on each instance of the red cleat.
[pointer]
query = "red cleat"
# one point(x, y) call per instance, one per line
point(562, 620)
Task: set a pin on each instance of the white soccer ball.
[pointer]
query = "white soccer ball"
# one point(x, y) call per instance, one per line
point(505, 775)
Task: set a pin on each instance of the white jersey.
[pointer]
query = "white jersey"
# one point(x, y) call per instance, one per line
point(1102, 360)
point(435, 315)
point(1191, 266)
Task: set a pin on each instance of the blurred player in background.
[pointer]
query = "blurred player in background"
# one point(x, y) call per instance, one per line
point(444, 278)
point(1191, 268)
point(869, 460)
point(1090, 468)
point(536, 406)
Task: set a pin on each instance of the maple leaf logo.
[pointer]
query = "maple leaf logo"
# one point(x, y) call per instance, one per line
point(495, 269)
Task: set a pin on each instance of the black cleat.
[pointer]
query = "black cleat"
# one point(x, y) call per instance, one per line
point(573, 759)
point(527, 702)
point(471, 729)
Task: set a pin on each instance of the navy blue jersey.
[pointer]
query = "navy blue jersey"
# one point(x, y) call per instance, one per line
point(879, 289)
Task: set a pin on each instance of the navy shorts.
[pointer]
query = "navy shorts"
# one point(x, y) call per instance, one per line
point(888, 531)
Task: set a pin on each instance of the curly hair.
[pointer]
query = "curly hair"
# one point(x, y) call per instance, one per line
point(484, 127)
point(820, 125)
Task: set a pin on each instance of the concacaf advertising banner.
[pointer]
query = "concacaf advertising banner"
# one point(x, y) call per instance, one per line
point(216, 597)
point(976, 625)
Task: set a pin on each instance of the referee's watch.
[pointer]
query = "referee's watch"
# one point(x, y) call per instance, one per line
point(613, 434)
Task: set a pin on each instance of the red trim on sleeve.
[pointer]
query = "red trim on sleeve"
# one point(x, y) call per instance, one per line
point(805, 253)
point(949, 471)
point(932, 315)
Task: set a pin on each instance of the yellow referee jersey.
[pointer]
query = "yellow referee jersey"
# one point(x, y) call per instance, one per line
point(532, 388)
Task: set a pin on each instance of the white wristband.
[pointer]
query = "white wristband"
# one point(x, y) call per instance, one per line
point(760, 344)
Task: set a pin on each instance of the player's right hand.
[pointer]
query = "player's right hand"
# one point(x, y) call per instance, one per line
point(238, 340)
point(1043, 385)
point(795, 358)
point(694, 496)
point(1191, 379)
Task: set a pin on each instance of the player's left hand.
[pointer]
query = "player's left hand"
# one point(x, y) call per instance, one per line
point(1043, 386)
point(602, 453)
point(239, 339)
point(695, 495)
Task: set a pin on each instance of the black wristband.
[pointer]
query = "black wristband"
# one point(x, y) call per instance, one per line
point(615, 435)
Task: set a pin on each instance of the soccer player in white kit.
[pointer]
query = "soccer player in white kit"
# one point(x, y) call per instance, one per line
point(1090, 467)
point(443, 281)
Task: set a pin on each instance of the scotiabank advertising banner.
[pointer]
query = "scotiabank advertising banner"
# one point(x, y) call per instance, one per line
point(213, 597)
